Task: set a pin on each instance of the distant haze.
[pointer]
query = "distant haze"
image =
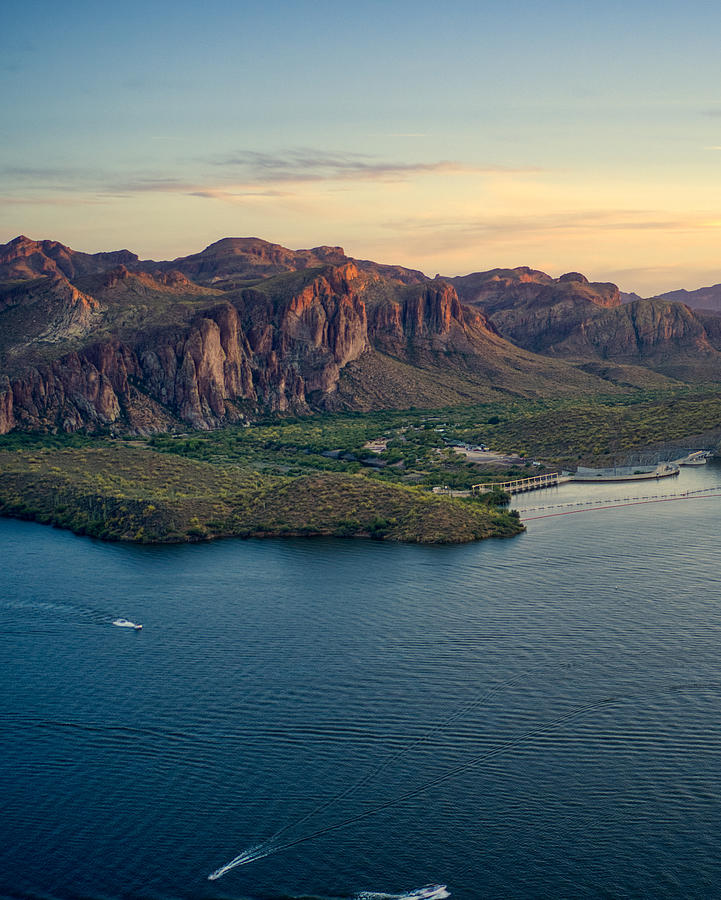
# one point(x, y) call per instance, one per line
point(449, 139)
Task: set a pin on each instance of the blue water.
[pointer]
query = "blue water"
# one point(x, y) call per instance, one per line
point(549, 707)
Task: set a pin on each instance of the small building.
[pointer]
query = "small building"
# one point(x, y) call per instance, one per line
point(377, 446)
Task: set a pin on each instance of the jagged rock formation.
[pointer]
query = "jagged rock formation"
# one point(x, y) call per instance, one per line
point(572, 318)
point(48, 309)
point(145, 345)
point(531, 308)
point(23, 258)
point(233, 262)
point(276, 350)
point(107, 340)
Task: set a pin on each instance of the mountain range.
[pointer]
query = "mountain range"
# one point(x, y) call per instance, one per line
point(110, 341)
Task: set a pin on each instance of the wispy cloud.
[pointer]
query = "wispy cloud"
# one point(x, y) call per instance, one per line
point(244, 175)
point(207, 191)
point(225, 194)
point(41, 199)
point(147, 185)
point(587, 220)
point(433, 236)
point(42, 175)
point(303, 165)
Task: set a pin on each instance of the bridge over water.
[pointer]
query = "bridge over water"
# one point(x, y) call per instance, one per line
point(518, 485)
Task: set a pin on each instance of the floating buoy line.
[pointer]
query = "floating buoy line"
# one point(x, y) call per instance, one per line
point(611, 502)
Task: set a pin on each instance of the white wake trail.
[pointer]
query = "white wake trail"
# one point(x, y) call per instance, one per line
point(272, 843)
point(247, 856)
point(430, 892)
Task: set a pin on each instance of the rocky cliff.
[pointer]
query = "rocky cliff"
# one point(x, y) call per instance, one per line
point(281, 352)
point(23, 258)
point(573, 318)
point(532, 309)
point(107, 340)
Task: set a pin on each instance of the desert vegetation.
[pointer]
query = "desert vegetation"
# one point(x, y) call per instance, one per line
point(316, 476)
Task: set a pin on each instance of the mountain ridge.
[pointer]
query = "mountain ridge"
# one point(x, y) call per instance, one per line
point(107, 340)
point(702, 299)
point(574, 319)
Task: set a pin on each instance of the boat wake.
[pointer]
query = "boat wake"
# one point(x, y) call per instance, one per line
point(429, 892)
point(272, 844)
point(247, 856)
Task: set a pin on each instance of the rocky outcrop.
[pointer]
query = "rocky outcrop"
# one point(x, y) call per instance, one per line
point(123, 285)
point(640, 329)
point(232, 261)
point(573, 318)
point(23, 258)
point(198, 374)
point(666, 337)
point(79, 390)
point(427, 317)
point(500, 289)
point(300, 343)
point(532, 309)
point(73, 316)
point(7, 414)
point(193, 376)
point(392, 273)
point(43, 313)
point(277, 352)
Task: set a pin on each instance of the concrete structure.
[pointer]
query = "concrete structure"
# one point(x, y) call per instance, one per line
point(696, 458)
point(626, 473)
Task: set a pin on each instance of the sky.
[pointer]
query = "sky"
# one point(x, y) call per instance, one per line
point(450, 137)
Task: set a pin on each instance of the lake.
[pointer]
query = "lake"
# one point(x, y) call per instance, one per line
point(535, 717)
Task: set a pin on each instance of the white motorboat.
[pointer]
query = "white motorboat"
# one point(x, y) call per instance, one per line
point(126, 623)
point(429, 892)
